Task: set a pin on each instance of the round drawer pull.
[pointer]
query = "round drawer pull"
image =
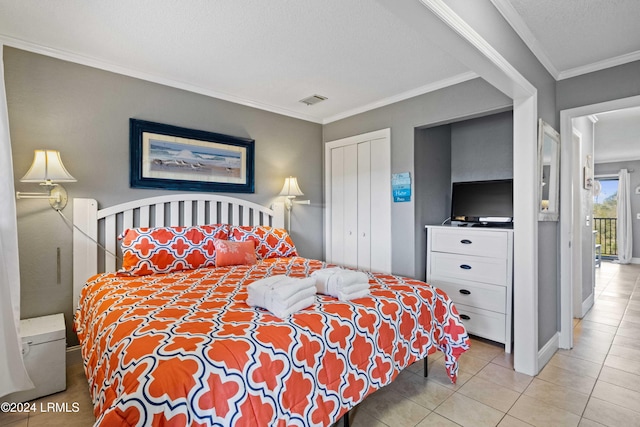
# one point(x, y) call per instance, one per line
point(465, 317)
point(465, 267)
point(465, 292)
point(466, 241)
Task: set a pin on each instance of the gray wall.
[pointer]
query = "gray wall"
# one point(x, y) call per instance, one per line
point(84, 113)
point(618, 82)
point(432, 186)
point(468, 99)
point(482, 148)
point(485, 19)
point(614, 168)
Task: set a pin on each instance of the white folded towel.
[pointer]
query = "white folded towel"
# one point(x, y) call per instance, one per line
point(303, 303)
point(358, 290)
point(285, 286)
point(353, 295)
point(281, 295)
point(340, 283)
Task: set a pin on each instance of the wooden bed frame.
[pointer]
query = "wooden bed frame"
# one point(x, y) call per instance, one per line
point(95, 227)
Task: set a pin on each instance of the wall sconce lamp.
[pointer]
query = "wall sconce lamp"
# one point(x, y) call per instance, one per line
point(290, 190)
point(47, 169)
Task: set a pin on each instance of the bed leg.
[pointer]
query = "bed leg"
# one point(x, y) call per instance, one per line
point(426, 372)
point(345, 419)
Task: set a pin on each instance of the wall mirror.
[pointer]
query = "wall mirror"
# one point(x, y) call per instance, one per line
point(548, 171)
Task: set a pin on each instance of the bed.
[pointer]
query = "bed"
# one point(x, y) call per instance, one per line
point(184, 348)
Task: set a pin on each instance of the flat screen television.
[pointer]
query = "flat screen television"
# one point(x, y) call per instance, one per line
point(482, 202)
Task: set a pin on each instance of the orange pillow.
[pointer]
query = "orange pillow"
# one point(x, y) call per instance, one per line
point(235, 253)
point(270, 242)
point(166, 249)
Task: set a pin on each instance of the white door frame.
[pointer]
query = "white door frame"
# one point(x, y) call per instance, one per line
point(576, 226)
point(484, 59)
point(570, 252)
point(438, 23)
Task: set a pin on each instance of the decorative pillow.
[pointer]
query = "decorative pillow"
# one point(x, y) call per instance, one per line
point(166, 249)
point(270, 242)
point(235, 253)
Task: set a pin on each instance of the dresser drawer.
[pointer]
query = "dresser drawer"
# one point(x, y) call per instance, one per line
point(472, 268)
point(486, 297)
point(483, 323)
point(467, 242)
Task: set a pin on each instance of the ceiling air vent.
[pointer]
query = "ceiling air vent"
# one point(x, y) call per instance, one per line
point(313, 99)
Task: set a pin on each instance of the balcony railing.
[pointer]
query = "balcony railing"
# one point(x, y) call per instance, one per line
point(606, 236)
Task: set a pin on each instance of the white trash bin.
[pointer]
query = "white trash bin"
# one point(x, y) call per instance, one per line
point(44, 352)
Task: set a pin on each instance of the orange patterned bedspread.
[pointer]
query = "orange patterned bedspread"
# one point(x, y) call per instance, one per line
point(185, 349)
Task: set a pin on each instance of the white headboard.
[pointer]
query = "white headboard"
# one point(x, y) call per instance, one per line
point(105, 225)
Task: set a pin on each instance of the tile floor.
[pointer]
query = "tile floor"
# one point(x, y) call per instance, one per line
point(595, 383)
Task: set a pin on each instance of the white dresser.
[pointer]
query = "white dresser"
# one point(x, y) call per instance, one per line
point(474, 266)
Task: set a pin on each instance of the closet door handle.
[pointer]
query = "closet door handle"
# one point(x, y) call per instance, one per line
point(465, 292)
point(466, 241)
point(465, 317)
point(465, 267)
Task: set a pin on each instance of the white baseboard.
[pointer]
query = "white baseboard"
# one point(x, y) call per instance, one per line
point(587, 304)
point(546, 353)
point(73, 355)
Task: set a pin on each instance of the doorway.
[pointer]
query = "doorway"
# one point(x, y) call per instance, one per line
point(570, 212)
point(605, 216)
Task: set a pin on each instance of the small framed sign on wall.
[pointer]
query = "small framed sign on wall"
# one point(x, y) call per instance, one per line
point(401, 187)
point(176, 158)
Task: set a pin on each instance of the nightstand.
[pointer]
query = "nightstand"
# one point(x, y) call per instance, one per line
point(44, 354)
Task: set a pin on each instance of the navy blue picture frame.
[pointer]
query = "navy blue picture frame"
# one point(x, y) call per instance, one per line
point(157, 162)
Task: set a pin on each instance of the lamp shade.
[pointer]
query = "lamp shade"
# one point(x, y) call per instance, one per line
point(290, 187)
point(47, 166)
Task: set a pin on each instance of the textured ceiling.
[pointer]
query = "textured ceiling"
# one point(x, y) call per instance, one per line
point(271, 54)
point(576, 36)
point(268, 54)
point(617, 136)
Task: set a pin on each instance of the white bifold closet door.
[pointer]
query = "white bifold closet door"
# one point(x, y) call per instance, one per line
point(359, 217)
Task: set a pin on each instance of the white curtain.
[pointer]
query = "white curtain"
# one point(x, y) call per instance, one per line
point(13, 375)
point(624, 230)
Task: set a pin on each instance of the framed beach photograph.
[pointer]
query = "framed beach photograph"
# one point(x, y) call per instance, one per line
point(176, 158)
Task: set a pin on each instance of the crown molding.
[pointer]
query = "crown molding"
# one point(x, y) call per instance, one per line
point(460, 78)
point(150, 77)
point(514, 19)
point(520, 85)
point(520, 27)
point(130, 72)
point(600, 65)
